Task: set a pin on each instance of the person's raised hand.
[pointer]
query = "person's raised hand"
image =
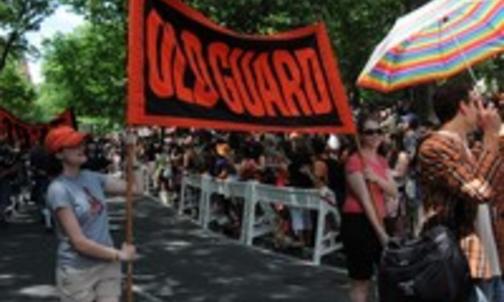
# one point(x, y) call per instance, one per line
point(490, 120)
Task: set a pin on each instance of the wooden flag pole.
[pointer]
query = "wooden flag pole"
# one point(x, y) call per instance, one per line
point(130, 149)
point(130, 154)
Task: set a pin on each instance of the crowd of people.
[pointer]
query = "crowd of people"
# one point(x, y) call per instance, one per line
point(399, 176)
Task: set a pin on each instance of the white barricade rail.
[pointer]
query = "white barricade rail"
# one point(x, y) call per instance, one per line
point(306, 199)
point(257, 195)
point(231, 189)
point(192, 197)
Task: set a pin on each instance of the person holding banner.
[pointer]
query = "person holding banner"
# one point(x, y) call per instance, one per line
point(363, 232)
point(88, 266)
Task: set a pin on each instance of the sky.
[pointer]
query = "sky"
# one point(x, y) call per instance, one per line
point(64, 21)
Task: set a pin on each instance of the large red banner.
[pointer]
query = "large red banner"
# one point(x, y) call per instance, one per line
point(26, 134)
point(184, 70)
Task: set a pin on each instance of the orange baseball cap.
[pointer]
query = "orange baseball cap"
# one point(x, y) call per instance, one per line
point(63, 137)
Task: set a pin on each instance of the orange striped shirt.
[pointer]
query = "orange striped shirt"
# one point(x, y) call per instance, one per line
point(497, 208)
point(453, 181)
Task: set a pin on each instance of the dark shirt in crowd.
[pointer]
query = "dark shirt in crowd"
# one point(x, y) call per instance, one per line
point(97, 163)
point(336, 179)
point(298, 177)
point(7, 160)
point(223, 166)
point(39, 161)
point(152, 151)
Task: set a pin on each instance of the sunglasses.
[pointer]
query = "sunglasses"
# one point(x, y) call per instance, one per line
point(372, 131)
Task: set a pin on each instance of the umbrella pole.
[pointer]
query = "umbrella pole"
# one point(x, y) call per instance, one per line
point(466, 63)
point(130, 149)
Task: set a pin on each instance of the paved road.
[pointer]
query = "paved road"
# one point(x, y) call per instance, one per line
point(180, 262)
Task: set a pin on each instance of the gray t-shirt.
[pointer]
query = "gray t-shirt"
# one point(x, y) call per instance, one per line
point(83, 194)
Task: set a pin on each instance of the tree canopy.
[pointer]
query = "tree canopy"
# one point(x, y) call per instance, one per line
point(16, 92)
point(17, 17)
point(86, 69)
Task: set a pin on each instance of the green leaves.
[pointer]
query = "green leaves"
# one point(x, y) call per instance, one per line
point(87, 69)
point(355, 27)
point(17, 17)
point(16, 92)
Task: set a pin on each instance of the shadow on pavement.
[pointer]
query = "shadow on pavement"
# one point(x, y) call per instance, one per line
point(179, 262)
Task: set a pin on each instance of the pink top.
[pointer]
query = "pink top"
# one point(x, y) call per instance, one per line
point(379, 167)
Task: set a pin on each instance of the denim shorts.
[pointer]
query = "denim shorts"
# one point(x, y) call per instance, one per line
point(493, 289)
point(477, 296)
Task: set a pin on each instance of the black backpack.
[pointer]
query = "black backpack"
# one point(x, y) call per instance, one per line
point(431, 268)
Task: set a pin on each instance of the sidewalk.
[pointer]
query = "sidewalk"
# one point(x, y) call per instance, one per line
point(179, 262)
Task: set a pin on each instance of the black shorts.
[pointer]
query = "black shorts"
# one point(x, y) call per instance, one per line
point(362, 246)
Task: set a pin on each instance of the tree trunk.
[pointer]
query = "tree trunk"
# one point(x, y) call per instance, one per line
point(8, 46)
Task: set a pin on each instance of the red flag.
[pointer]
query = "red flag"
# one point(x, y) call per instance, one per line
point(184, 70)
point(26, 134)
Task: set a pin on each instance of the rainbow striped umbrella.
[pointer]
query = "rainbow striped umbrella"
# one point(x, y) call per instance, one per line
point(438, 40)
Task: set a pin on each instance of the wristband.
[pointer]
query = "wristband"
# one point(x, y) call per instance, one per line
point(116, 257)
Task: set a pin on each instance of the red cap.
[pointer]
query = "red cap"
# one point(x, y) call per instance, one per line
point(63, 137)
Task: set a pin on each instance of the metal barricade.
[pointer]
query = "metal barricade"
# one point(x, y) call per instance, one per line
point(254, 196)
